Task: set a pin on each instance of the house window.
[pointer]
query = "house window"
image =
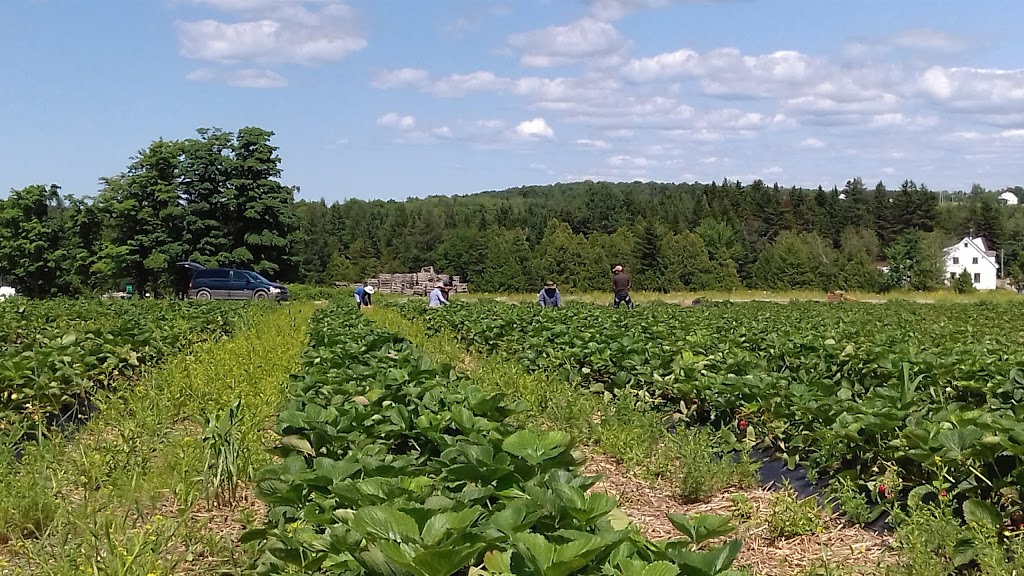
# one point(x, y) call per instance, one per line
point(956, 260)
point(974, 260)
point(952, 275)
point(965, 244)
point(977, 278)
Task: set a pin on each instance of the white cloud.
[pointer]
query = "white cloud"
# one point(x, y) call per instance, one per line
point(536, 128)
point(583, 39)
point(401, 78)
point(256, 78)
point(976, 90)
point(293, 32)
point(457, 85)
point(615, 9)
point(394, 120)
point(926, 40)
point(812, 144)
point(201, 75)
point(622, 161)
point(593, 144)
point(929, 39)
point(244, 78)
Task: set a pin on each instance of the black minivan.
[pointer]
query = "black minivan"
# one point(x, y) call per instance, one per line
point(232, 284)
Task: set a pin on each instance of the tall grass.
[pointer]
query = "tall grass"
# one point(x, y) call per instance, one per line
point(126, 495)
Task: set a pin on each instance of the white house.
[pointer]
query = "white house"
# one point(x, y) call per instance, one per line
point(1008, 198)
point(973, 255)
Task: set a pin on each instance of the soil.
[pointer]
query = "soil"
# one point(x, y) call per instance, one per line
point(856, 550)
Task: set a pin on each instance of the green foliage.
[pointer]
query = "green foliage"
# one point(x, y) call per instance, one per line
point(963, 283)
point(58, 354)
point(795, 261)
point(214, 199)
point(46, 242)
point(391, 464)
point(790, 516)
point(221, 439)
point(915, 262)
point(135, 467)
point(912, 401)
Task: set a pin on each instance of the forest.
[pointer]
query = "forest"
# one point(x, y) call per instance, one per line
point(217, 198)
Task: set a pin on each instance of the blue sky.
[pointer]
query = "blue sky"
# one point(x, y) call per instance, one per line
point(397, 98)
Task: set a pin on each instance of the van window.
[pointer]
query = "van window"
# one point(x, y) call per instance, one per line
point(211, 273)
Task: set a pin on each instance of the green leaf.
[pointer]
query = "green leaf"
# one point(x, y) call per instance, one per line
point(536, 448)
point(449, 523)
point(498, 562)
point(983, 514)
point(298, 443)
point(701, 528)
point(661, 568)
point(383, 522)
point(253, 535)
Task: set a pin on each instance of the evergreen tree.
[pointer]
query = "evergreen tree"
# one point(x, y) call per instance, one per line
point(264, 221)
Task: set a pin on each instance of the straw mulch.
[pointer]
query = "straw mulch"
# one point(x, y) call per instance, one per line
point(854, 549)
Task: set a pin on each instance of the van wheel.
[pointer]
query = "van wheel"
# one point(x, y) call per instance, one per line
point(261, 295)
point(204, 295)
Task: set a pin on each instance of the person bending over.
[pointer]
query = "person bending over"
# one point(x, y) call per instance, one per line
point(549, 296)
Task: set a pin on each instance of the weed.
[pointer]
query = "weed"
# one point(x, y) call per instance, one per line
point(790, 516)
point(742, 509)
point(845, 494)
point(221, 440)
point(932, 540)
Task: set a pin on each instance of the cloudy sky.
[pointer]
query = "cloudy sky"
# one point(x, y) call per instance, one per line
point(397, 98)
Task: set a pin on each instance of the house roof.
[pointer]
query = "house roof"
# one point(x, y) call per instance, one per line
point(978, 244)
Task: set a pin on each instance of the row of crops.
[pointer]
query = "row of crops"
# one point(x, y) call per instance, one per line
point(902, 400)
point(390, 464)
point(57, 355)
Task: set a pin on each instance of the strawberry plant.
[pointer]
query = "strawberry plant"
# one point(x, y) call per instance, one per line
point(922, 399)
point(58, 354)
point(391, 464)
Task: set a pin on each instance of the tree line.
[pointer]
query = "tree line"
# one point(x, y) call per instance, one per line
point(217, 199)
point(715, 236)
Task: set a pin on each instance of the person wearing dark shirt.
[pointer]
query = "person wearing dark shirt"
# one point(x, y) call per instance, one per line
point(364, 296)
point(621, 285)
point(549, 296)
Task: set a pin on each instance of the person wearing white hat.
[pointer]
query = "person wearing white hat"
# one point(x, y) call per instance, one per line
point(363, 296)
point(439, 296)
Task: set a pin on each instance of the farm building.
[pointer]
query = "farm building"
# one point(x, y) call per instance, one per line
point(973, 255)
point(1008, 198)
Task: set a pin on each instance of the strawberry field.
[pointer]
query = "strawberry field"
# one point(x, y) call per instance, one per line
point(901, 401)
point(392, 464)
point(57, 355)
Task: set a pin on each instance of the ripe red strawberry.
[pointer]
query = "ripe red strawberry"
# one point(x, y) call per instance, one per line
point(743, 424)
point(881, 490)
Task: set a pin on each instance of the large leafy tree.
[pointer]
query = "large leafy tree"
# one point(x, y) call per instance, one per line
point(146, 218)
point(263, 222)
point(38, 249)
point(205, 173)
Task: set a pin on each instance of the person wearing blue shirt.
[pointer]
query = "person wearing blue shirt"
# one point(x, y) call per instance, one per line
point(364, 296)
point(549, 296)
point(439, 296)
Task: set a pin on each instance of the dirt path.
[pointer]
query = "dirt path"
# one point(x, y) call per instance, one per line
point(855, 550)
